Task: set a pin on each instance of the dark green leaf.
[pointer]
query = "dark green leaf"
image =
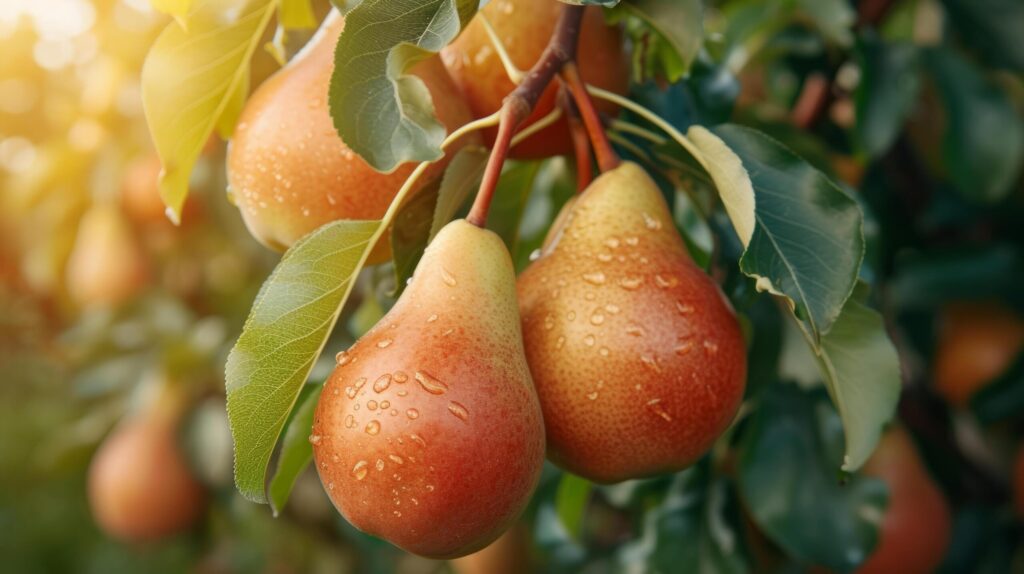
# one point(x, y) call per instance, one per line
point(461, 179)
point(984, 140)
point(509, 201)
point(383, 114)
point(296, 452)
point(411, 231)
point(888, 88)
point(282, 338)
point(691, 530)
point(788, 458)
point(993, 27)
point(804, 238)
point(679, 24)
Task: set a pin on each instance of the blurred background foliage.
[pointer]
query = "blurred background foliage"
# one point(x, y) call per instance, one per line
point(914, 105)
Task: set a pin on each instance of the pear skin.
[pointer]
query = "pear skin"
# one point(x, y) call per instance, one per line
point(106, 266)
point(524, 27)
point(636, 355)
point(916, 528)
point(289, 171)
point(429, 432)
point(140, 485)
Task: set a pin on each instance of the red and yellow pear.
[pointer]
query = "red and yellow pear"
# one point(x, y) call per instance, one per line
point(637, 356)
point(429, 433)
point(140, 484)
point(106, 266)
point(976, 343)
point(915, 530)
point(524, 28)
point(288, 170)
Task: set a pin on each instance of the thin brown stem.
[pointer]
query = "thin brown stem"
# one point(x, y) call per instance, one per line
point(607, 159)
point(519, 103)
point(580, 141)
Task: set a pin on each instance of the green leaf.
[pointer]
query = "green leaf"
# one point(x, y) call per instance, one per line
point(411, 232)
point(461, 178)
point(886, 93)
point(787, 479)
point(284, 334)
point(992, 27)
point(296, 452)
point(191, 82)
point(689, 531)
point(862, 375)
point(571, 502)
point(803, 234)
point(680, 23)
point(509, 201)
point(236, 103)
point(383, 114)
point(984, 140)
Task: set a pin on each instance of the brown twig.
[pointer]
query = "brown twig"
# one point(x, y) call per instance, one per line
point(580, 141)
point(560, 50)
point(607, 159)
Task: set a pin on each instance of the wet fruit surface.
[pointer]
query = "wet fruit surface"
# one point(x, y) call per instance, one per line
point(429, 433)
point(288, 170)
point(637, 357)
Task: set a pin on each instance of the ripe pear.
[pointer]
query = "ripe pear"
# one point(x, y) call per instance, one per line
point(106, 265)
point(524, 27)
point(140, 485)
point(140, 195)
point(976, 343)
point(915, 530)
point(288, 170)
point(429, 433)
point(637, 356)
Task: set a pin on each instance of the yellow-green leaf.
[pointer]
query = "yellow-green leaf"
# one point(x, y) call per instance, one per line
point(176, 8)
point(191, 79)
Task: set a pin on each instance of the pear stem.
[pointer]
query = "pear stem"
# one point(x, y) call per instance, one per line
point(580, 141)
point(607, 159)
point(560, 51)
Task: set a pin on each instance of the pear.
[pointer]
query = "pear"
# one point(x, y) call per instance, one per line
point(524, 27)
point(637, 356)
point(976, 343)
point(429, 432)
point(916, 528)
point(288, 170)
point(106, 266)
point(140, 485)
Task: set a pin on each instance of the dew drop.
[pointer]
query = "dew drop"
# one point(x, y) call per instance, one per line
point(384, 343)
point(604, 351)
point(597, 318)
point(350, 421)
point(403, 393)
point(394, 413)
point(684, 348)
point(535, 255)
point(571, 315)
point(380, 465)
point(592, 396)
point(412, 414)
point(432, 318)
point(430, 488)
point(560, 342)
point(711, 347)
point(597, 278)
point(656, 408)
point(447, 332)
point(458, 410)
point(359, 383)
point(372, 427)
point(382, 383)
point(631, 283)
point(342, 358)
point(430, 384)
point(635, 330)
point(400, 377)
point(385, 404)
point(613, 309)
point(651, 223)
point(666, 282)
point(414, 501)
point(448, 278)
point(396, 459)
point(314, 439)
point(359, 470)
point(612, 242)
point(683, 308)
point(371, 405)
point(650, 362)
point(589, 340)
point(418, 440)
point(549, 322)
point(632, 241)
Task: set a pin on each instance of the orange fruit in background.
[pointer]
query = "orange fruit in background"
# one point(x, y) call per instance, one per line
point(976, 343)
